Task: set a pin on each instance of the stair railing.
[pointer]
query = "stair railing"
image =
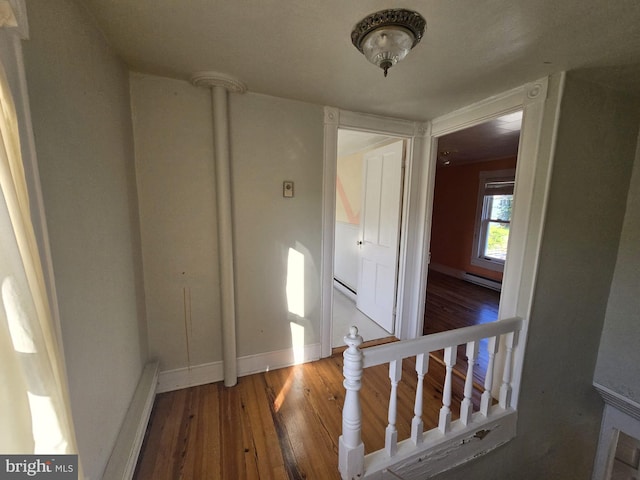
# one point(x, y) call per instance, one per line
point(352, 462)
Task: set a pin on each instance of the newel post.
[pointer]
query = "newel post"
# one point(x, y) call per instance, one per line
point(351, 448)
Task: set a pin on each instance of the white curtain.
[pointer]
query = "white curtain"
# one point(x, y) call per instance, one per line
point(35, 416)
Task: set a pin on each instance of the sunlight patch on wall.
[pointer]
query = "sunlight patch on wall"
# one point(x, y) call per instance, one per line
point(295, 282)
point(297, 343)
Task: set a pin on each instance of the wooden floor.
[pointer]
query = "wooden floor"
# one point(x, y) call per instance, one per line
point(285, 424)
point(282, 424)
point(453, 303)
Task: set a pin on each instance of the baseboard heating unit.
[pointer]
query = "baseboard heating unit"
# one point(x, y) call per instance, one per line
point(485, 282)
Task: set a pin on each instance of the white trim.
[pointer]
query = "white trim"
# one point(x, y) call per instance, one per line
point(124, 456)
point(408, 304)
point(479, 229)
point(483, 282)
point(618, 401)
point(533, 172)
point(614, 421)
point(202, 374)
point(466, 276)
point(345, 291)
point(179, 378)
point(439, 453)
point(263, 362)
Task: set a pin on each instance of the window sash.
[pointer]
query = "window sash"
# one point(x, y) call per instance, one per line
point(492, 185)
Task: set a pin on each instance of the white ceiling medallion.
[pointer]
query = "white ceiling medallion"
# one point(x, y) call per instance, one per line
point(385, 37)
point(215, 79)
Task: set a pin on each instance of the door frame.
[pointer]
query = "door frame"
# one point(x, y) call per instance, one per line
point(540, 102)
point(412, 224)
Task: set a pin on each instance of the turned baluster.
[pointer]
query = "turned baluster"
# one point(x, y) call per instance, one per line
point(391, 434)
point(505, 389)
point(351, 448)
point(466, 408)
point(487, 399)
point(417, 426)
point(445, 411)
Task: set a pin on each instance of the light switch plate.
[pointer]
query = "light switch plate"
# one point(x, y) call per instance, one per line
point(287, 188)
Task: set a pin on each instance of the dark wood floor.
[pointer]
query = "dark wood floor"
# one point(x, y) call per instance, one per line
point(454, 303)
point(285, 424)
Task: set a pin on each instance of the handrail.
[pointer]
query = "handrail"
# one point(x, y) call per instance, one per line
point(351, 449)
point(380, 354)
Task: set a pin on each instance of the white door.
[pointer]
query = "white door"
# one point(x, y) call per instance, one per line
point(380, 233)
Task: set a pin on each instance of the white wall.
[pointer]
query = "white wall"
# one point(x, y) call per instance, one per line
point(272, 140)
point(175, 171)
point(347, 253)
point(82, 123)
point(618, 366)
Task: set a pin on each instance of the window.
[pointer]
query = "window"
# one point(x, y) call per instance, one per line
point(493, 219)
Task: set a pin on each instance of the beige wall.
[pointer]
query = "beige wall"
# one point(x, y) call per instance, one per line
point(272, 140)
point(82, 123)
point(175, 174)
point(619, 354)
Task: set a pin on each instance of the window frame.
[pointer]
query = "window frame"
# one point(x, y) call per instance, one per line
point(481, 224)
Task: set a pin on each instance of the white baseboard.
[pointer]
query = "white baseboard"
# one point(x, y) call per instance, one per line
point(186, 377)
point(483, 282)
point(124, 457)
point(346, 291)
point(170, 380)
point(469, 277)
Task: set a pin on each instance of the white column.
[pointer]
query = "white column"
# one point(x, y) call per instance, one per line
point(220, 86)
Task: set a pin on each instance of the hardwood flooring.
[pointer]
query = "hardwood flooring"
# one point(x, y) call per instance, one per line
point(285, 424)
point(453, 303)
point(282, 424)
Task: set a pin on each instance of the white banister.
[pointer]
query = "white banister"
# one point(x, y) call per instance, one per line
point(505, 388)
point(466, 408)
point(486, 400)
point(438, 341)
point(351, 448)
point(391, 433)
point(445, 412)
point(417, 425)
point(464, 433)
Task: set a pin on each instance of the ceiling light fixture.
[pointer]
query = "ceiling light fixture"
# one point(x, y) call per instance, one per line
point(385, 37)
point(444, 158)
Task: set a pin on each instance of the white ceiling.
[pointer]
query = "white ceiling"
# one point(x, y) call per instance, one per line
point(301, 49)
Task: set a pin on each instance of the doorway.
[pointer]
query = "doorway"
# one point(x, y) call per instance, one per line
point(369, 182)
point(471, 220)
